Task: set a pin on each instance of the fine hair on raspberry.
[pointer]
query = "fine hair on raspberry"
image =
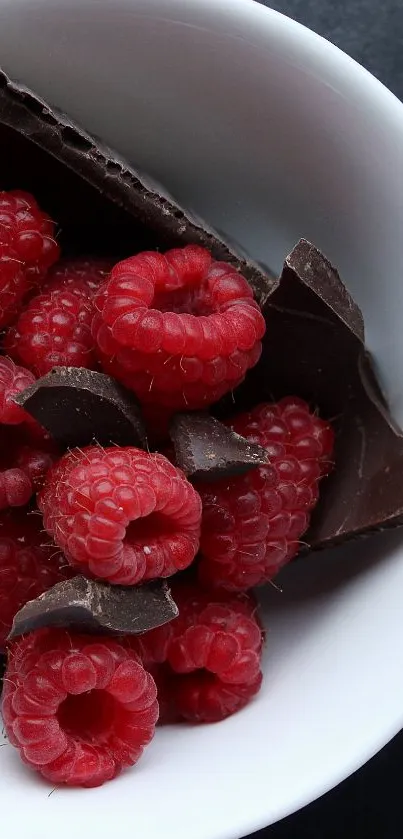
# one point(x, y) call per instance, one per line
point(77, 275)
point(121, 514)
point(78, 708)
point(179, 329)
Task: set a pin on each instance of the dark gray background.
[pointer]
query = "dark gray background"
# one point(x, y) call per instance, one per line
point(371, 31)
point(368, 805)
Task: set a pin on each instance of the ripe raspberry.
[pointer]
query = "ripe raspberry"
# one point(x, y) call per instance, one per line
point(27, 566)
point(35, 463)
point(27, 249)
point(13, 380)
point(251, 524)
point(179, 329)
point(79, 708)
point(83, 275)
point(24, 461)
point(15, 488)
point(54, 330)
point(122, 514)
point(207, 661)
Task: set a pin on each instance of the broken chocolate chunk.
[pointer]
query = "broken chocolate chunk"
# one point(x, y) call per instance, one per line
point(206, 450)
point(314, 348)
point(79, 406)
point(91, 606)
point(102, 204)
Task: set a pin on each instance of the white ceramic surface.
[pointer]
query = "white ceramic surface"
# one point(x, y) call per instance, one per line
point(271, 134)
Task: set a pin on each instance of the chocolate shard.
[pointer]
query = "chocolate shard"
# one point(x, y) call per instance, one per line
point(102, 204)
point(79, 406)
point(314, 348)
point(94, 607)
point(206, 450)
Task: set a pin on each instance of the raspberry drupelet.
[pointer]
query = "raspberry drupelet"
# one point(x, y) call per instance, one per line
point(121, 514)
point(178, 329)
point(27, 249)
point(252, 524)
point(28, 567)
point(79, 708)
point(206, 662)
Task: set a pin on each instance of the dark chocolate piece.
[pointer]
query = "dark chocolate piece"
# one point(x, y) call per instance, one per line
point(78, 406)
point(91, 606)
point(101, 203)
point(314, 348)
point(205, 449)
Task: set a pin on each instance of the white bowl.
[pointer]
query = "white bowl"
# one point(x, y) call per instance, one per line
point(272, 134)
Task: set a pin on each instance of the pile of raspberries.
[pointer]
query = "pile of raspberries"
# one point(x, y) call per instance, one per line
point(180, 330)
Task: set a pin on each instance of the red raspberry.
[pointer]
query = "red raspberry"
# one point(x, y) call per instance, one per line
point(83, 275)
point(27, 566)
point(24, 461)
point(35, 463)
point(13, 380)
point(79, 708)
point(251, 524)
point(207, 661)
point(122, 514)
point(179, 329)
point(27, 248)
point(54, 330)
point(15, 488)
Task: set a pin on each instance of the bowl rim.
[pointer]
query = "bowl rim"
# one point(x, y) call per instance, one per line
point(252, 12)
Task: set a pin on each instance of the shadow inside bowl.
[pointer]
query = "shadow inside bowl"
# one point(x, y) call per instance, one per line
point(324, 572)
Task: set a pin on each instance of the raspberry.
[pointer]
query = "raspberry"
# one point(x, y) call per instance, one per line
point(207, 661)
point(27, 248)
point(55, 327)
point(27, 566)
point(54, 330)
point(13, 380)
point(15, 488)
point(34, 462)
point(25, 458)
point(82, 275)
point(79, 708)
point(179, 329)
point(122, 514)
point(252, 524)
